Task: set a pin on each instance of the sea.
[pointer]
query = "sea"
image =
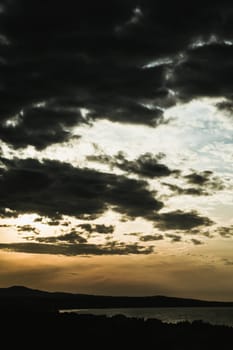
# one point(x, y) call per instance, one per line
point(212, 315)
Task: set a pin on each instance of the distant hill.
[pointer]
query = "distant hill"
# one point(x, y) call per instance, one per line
point(20, 297)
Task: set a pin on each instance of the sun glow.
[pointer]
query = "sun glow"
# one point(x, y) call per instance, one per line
point(26, 219)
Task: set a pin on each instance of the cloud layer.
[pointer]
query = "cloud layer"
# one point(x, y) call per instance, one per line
point(76, 249)
point(117, 61)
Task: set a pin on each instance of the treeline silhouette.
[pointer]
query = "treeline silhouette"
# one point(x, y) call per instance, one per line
point(52, 329)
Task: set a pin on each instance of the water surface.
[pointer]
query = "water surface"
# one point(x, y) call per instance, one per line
point(213, 315)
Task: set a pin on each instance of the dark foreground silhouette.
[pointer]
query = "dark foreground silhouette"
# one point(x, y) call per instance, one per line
point(45, 330)
point(30, 319)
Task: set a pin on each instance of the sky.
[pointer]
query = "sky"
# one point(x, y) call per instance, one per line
point(116, 147)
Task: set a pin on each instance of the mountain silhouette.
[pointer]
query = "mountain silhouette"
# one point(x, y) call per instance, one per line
point(20, 297)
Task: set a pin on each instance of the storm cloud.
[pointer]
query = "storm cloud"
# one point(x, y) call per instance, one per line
point(58, 58)
point(52, 188)
point(206, 70)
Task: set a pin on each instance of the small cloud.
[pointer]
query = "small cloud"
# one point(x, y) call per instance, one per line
point(196, 241)
point(27, 228)
point(97, 228)
point(147, 165)
point(201, 232)
point(227, 262)
point(174, 238)
point(136, 234)
point(53, 223)
point(71, 237)
point(205, 179)
point(180, 220)
point(148, 238)
point(192, 191)
point(225, 231)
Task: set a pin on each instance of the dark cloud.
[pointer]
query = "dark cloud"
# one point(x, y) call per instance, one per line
point(196, 241)
point(180, 220)
point(58, 63)
point(7, 213)
point(135, 234)
point(39, 126)
point(53, 223)
point(193, 191)
point(205, 179)
point(57, 59)
point(39, 219)
point(205, 71)
point(27, 228)
point(146, 165)
point(76, 249)
point(227, 106)
point(97, 228)
point(53, 189)
point(225, 231)
point(174, 238)
point(199, 231)
point(205, 184)
point(71, 237)
point(148, 238)
point(199, 179)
